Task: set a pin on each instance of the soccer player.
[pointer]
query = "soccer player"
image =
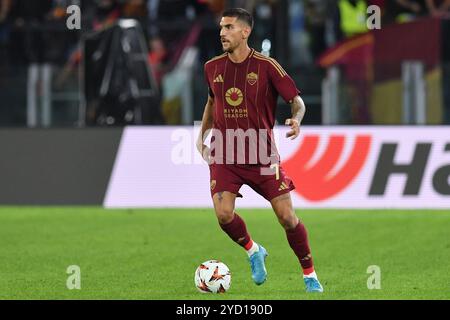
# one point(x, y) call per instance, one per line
point(243, 90)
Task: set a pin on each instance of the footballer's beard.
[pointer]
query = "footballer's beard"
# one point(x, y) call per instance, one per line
point(230, 48)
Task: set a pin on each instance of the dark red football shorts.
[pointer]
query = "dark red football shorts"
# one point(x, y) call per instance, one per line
point(268, 182)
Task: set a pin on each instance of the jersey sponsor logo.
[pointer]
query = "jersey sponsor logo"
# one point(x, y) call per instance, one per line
point(252, 78)
point(218, 79)
point(316, 181)
point(235, 113)
point(234, 97)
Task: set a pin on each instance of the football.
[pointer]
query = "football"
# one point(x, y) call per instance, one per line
point(212, 276)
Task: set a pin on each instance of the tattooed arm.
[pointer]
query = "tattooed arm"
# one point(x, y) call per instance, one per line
point(298, 110)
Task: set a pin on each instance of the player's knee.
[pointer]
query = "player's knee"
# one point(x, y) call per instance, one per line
point(225, 215)
point(288, 220)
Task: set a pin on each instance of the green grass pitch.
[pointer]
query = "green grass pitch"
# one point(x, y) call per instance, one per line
point(152, 254)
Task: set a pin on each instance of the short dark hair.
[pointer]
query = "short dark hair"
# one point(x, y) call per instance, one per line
point(240, 14)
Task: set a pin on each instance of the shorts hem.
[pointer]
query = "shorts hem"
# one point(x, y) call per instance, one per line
point(236, 193)
point(271, 197)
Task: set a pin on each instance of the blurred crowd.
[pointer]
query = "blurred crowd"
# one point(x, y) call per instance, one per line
point(329, 21)
point(25, 24)
point(34, 31)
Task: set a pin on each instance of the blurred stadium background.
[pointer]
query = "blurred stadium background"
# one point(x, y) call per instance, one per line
point(104, 116)
point(345, 79)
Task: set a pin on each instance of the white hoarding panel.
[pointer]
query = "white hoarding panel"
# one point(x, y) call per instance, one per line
point(332, 167)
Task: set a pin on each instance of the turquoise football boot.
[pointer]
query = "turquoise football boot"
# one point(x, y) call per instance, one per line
point(313, 285)
point(259, 272)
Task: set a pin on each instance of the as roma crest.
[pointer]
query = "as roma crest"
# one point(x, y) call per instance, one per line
point(252, 78)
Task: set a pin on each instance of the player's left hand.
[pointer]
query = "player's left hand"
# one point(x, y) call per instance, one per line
point(295, 126)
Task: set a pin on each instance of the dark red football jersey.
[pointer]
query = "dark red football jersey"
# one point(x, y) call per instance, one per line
point(245, 97)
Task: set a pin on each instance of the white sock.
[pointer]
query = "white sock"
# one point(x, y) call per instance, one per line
point(311, 275)
point(253, 249)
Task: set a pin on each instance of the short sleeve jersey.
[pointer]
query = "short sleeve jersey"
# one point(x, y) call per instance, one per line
point(245, 97)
